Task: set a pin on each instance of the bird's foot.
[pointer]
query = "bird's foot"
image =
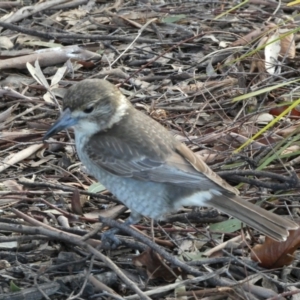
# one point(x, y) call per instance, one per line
point(109, 240)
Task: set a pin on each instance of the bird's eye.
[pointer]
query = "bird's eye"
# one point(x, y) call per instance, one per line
point(88, 110)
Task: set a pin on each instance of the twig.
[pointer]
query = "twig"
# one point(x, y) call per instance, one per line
point(172, 286)
point(280, 296)
point(214, 281)
point(65, 188)
point(138, 35)
point(81, 37)
point(62, 236)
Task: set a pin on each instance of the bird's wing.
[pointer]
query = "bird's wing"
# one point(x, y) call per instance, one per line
point(178, 166)
point(200, 166)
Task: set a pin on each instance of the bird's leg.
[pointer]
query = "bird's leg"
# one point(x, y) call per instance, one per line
point(108, 238)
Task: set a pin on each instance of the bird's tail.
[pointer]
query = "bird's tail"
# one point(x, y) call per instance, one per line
point(268, 223)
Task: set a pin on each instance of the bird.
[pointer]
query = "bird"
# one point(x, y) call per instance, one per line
point(141, 162)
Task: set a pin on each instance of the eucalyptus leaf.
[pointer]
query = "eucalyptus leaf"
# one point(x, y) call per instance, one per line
point(14, 287)
point(173, 19)
point(228, 226)
point(96, 188)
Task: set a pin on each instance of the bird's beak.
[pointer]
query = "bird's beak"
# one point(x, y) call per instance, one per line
point(66, 120)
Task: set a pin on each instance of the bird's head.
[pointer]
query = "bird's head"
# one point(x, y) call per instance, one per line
point(90, 106)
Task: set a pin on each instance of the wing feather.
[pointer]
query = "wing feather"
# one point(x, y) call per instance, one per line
point(121, 158)
point(151, 153)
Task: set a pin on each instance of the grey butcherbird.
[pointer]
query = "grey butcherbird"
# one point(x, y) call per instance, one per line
point(144, 166)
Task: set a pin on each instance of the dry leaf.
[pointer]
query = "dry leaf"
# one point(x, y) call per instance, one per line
point(272, 254)
point(48, 98)
point(58, 76)
point(272, 51)
point(18, 157)
point(293, 114)
point(75, 203)
point(262, 119)
point(6, 43)
point(37, 74)
point(287, 43)
point(155, 266)
point(11, 185)
point(7, 113)
point(290, 149)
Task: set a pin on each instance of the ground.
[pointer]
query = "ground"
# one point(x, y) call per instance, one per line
point(221, 76)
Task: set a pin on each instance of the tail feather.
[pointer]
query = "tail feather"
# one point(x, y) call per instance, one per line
point(268, 223)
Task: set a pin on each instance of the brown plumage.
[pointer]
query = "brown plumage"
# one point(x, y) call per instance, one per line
point(147, 169)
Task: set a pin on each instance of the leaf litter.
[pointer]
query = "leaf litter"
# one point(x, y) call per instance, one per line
point(185, 63)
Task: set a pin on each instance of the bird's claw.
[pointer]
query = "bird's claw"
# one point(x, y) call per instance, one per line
point(109, 240)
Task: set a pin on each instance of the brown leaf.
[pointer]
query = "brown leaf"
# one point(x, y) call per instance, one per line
point(288, 46)
point(156, 267)
point(294, 113)
point(272, 254)
point(12, 185)
point(75, 203)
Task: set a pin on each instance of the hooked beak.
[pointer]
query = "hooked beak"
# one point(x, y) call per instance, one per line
point(65, 120)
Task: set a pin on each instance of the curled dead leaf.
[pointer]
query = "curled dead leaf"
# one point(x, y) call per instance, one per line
point(158, 114)
point(294, 113)
point(75, 203)
point(272, 50)
point(287, 43)
point(272, 254)
point(290, 150)
point(11, 185)
point(262, 119)
point(155, 266)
